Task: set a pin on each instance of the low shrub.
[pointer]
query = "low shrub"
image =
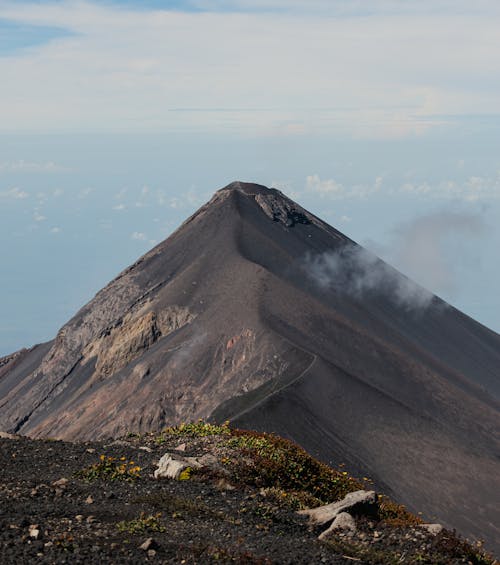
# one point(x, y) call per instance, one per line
point(112, 469)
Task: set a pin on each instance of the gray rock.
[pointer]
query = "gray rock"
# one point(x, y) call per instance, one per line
point(148, 544)
point(343, 521)
point(170, 467)
point(433, 529)
point(354, 501)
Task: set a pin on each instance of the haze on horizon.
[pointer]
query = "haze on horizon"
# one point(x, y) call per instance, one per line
point(119, 119)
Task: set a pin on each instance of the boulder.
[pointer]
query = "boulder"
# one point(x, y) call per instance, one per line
point(433, 529)
point(342, 522)
point(171, 466)
point(360, 501)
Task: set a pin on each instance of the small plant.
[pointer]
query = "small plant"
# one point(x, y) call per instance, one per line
point(194, 429)
point(396, 514)
point(112, 469)
point(145, 523)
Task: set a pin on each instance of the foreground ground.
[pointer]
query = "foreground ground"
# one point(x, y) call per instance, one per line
point(100, 503)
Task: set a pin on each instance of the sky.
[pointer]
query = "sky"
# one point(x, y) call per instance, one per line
point(119, 119)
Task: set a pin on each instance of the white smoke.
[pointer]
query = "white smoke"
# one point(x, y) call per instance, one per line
point(356, 272)
point(433, 248)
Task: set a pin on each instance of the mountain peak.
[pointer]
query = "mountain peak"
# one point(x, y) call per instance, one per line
point(249, 188)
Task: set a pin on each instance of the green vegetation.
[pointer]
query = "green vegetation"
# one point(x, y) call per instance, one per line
point(111, 469)
point(268, 461)
point(194, 430)
point(145, 523)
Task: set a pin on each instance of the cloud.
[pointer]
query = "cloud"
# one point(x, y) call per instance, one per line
point(125, 69)
point(346, 7)
point(119, 207)
point(423, 248)
point(472, 189)
point(85, 193)
point(15, 193)
point(138, 236)
point(39, 217)
point(55, 230)
point(22, 166)
point(358, 273)
point(330, 186)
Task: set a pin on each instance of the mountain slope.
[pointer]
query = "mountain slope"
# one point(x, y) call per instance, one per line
point(257, 311)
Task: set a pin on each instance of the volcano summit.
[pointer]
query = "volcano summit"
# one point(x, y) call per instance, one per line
point(256, 311)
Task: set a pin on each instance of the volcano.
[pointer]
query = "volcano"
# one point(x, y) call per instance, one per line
point(257, 311)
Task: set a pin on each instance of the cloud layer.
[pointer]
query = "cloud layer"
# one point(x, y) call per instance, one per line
point(277, 69)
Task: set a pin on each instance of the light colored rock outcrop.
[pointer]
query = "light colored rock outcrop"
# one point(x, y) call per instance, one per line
point(354, 501)
point(170, 467)
point(138, 331)
point(5, 435)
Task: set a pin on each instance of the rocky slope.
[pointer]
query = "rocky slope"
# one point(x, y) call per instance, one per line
point(255, 310)
point(238, 501)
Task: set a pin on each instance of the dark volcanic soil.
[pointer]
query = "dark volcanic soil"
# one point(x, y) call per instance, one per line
point(200, 520)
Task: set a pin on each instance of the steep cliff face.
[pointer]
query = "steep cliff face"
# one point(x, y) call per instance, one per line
point(257, 311)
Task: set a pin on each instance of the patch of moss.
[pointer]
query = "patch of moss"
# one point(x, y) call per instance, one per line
point(145, 523)
point(185, 474)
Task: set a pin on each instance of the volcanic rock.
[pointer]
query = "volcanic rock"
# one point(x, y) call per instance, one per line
point(343, 521)
point(257, 311)
point(357, 501)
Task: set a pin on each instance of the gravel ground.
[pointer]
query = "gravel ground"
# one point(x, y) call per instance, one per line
point(77, 521)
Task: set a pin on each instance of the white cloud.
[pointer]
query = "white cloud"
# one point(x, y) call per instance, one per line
point(328, 186)
point(39, 217)
point(55, 230)
point(472, 189)
point(85, 193)
point(119, 207)
point(354, 271)
point(421, 248)
point(333, 189)
point(120, 195)
point(391, 73)
point(138, 236)
point(15, 193)
point(22, 166)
